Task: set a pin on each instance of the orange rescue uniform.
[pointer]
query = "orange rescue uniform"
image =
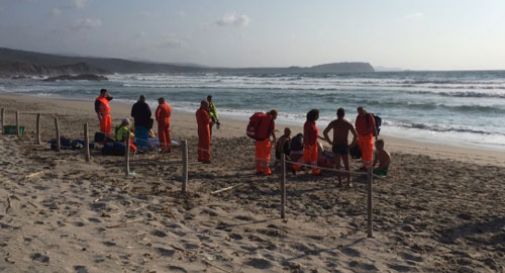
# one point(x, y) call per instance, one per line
point(365, 126)
point(106, 119)
point(203, 120)
point(310, 147)
point(163, 114)
point(264, 147)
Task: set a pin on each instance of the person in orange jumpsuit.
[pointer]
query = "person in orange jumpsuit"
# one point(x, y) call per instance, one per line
point(163, 114)
point(102, 109)
point(203, 120)
point(264, 146)
point(310, 145)
point(365, 127)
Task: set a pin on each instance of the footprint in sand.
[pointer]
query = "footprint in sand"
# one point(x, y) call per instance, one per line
point(400, 268)
point(94, 220)
point(176, 269)
point(363, 266)
point(40, 258)
point(165, 251)
point(78, 224)
point(109, 243)
point(412, 257)
point(259, 263)
point(158, 233)
point(351, 252)
point(236, 236)
point(80, 269)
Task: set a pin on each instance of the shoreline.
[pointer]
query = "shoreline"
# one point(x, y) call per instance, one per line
point(184, 125)
point(64, 214)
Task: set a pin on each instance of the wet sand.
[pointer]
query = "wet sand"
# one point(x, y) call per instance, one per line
point(440, 210)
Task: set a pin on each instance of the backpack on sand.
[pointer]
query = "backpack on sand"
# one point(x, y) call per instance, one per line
point(378, 123)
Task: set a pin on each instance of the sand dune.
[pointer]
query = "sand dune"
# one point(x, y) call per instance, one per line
point(61, 214)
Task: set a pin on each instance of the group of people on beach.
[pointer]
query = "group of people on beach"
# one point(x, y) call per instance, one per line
point(305, 149)
point(143, 122)
point(301, 150)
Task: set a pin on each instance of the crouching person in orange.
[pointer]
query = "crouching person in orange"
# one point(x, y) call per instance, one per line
point(266, 129)
point(310, 136)
point(365, 127)
point(102, 109)
point(163, 114)
point(203, 120)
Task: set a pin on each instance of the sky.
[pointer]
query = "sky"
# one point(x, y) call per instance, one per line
point(408, 34)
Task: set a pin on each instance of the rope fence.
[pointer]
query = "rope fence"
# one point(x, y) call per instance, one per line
point(185, 165)
point(369, 174)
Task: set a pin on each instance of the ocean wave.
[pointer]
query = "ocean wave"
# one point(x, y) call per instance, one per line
point(439, 128)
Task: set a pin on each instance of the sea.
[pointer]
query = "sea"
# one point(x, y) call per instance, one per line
point(463, 108)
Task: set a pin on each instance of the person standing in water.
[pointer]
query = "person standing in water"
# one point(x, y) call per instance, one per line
point(102, 109)
point(340, 141)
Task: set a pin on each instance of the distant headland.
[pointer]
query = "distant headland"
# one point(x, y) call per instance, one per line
point(16, 63)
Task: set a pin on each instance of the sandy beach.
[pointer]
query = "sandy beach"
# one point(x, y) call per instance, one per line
point(441, 209)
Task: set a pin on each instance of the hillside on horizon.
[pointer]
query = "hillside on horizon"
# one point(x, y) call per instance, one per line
point(20, 62)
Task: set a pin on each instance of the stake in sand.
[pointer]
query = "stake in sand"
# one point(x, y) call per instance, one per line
point(2, 115)
point(283, 186)
point(369, 203)
point(86, 143)
point(127, 155)
point(58, 139)
point(184, 149)
point(18, 132)
point(38, 140)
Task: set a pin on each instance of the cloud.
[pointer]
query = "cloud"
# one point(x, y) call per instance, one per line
point(233, 19)
point(412, 16)
point(86, 23)
point(55, 12)
point(80, 3)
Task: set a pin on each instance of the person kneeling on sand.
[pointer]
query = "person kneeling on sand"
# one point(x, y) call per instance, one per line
point(122, 132)
point(382, 159)
point(283, 144)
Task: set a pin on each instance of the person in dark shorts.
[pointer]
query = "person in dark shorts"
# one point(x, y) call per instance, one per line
point(340, 141)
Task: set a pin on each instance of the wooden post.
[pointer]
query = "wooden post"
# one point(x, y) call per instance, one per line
point(38, 140)
point(283, 186)
point(370, 205)
point(127, 154)
point(2, 123)
point(86, 143)
point(58, 138)
point(18, 132)
point(184, 166)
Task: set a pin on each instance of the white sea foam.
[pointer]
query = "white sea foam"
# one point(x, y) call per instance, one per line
point(440, 106)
